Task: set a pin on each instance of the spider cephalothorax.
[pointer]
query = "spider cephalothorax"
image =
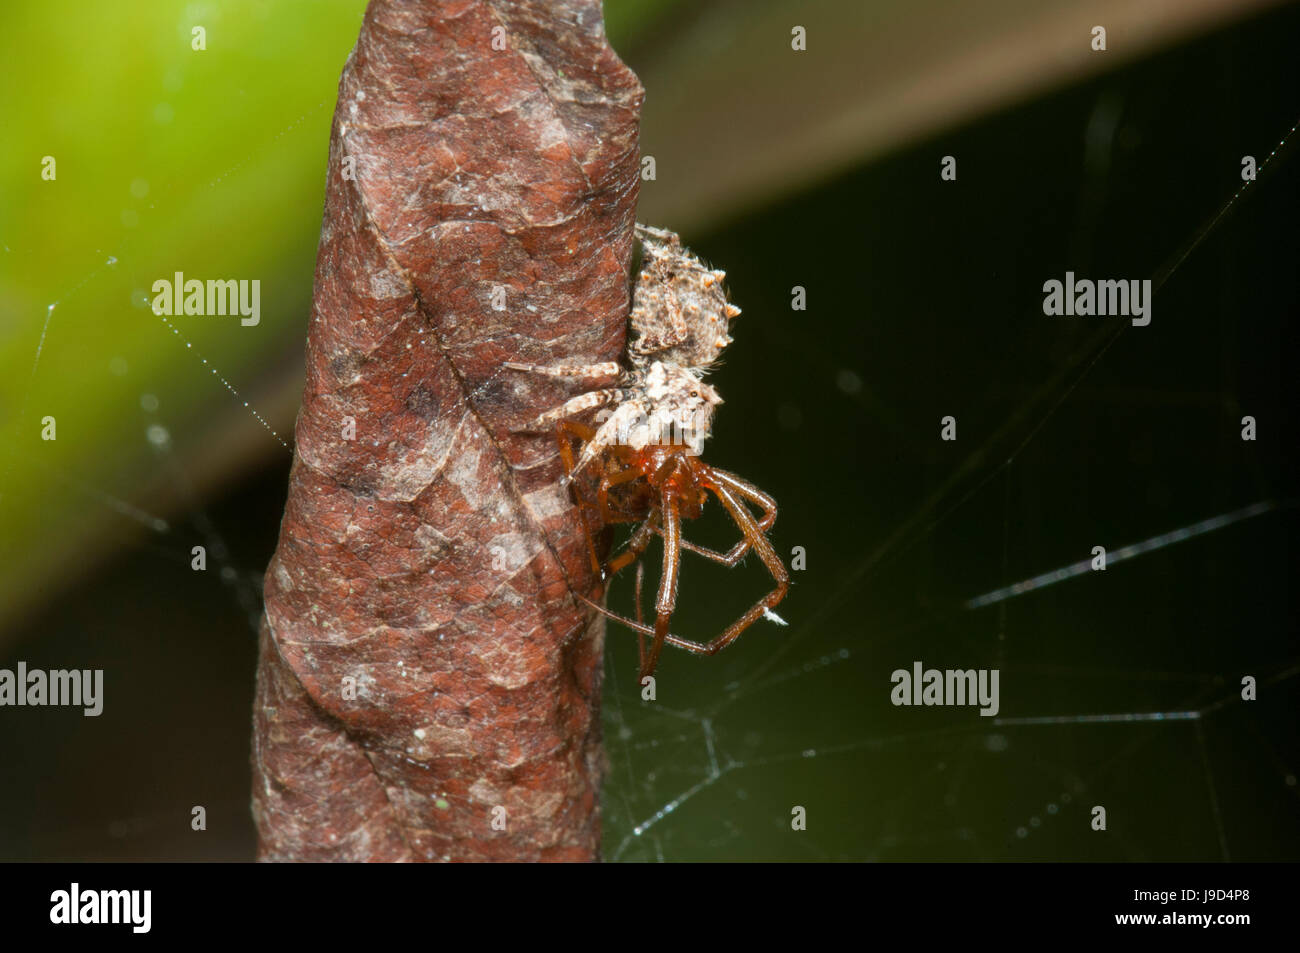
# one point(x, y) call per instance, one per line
point(656, 414)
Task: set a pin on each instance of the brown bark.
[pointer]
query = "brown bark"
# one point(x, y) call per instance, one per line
point(424, 663)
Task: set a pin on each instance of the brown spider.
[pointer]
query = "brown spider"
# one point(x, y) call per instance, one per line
point(666, 484)
point(648, 444)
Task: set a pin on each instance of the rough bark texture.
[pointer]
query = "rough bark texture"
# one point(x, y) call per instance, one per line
point(425, 670)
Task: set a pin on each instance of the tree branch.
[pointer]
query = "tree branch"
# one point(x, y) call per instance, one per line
point(428, 687)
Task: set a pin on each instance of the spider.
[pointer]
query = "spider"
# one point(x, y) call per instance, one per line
point(656, 413)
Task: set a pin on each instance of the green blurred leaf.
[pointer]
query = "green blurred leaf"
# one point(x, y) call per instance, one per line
point(210, 162)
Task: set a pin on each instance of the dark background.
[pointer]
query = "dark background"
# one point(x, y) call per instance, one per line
point(927, 294)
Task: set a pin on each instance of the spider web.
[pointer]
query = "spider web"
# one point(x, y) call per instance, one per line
point(1120, 690)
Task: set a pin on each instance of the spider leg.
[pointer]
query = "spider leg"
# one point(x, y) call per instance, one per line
point(640, 578)
point(572, 427)
point(607, 483)
point(642, 628)
point(747, 490)
point(640, 638)
point(744, 489)
point(605, 369)
point(667, 598)
point(735, 494)
point(610, 433)
point(636, 545)
point(760, 544)
point(563, 430)
point(574, 406)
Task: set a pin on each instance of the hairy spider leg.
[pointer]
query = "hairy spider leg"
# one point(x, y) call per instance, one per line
point(760, 544)
point(745, 489)
point(563, 430)
point(763, 547)
point(666, 601)
point(607, 483)
point(632, 552)
point(640, 639)
point(640, 578)
point(576, 405)
point(664, 519)
point(670, 529)
point(605, 369)
point(636, 544)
